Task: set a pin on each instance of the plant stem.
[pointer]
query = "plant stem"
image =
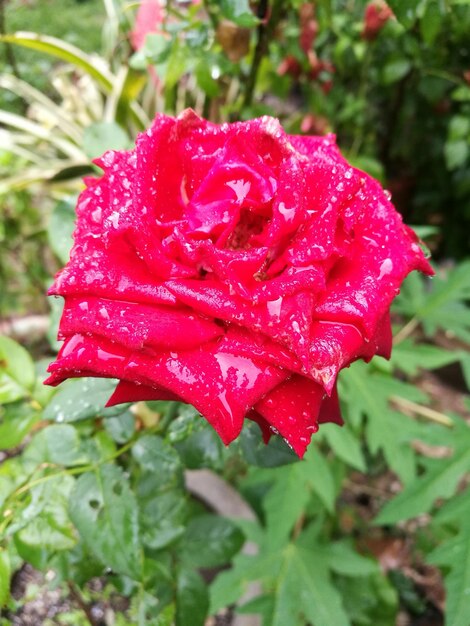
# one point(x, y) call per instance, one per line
point(362, 96)
point(85, 607)
point(211, 14)
point(406, 331)
point(423, 411)
point(11, 60)
point(265, 31)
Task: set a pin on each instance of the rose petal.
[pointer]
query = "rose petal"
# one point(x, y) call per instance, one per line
point(330, 410)
point(127, 391)
point(361, 293)
point(221, 385)
point(136, 325)
point(286, 320)
point(292, 409)
point(266, 431)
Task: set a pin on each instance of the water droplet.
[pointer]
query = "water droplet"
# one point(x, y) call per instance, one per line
point(288, 214)
point(386, 268)
point(274, 307)
point(114, 218)
point(104, 313)
point(240, 187)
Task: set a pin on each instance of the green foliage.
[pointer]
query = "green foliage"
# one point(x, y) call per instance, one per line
point(440, 304)
point(192, 600)
point(81, 399)
point(4, 577)
point(88, 491)
point(104, 510)
point(210, 541)
point(60, 228)
point(439, 481)
point(17, 371)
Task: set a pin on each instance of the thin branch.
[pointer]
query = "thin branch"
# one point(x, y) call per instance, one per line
point(406, 331)
point(10, 56)
point(422, 411)
point(269, 20)
point(85, 607)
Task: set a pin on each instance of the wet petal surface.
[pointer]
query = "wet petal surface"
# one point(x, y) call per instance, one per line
point(233, 267)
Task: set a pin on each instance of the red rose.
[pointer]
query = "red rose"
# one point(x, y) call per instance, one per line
point(149, 19)
point(232, 267)
point(376, 15)
point(289, 65)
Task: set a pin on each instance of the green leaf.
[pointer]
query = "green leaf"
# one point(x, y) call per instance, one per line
point(369, 600)
point(344, 445)
point(58, 444)
point(16, 421)
point(304, 590)
point(69, 127)
point(345, 560)
point(11, 477)
point(160, 493)
point(275, 454)
point(82, 399)
point(103, 136)
point(367, 394)
point(192, 599)
point(56, 306)
point(455, 554)
point(49, 528)
point(120, 428)
point(405, 10)
point(210, 541)
point(17, 373)
point(154, 454)
point(431, 22)
point(456, 153)
point(238, 11)
point(104, 510)
point(4, 577)
point(99, 448)
point(71, 172)
point(205, 81)
point(230, 585)
point(465, 363)
point(443, 305)
point(60, 229)
point(395, 70)
point(317, 472)
point(287, 607)
point(367, 163)
point(64, 51)
point(263, 605)
point(410, 357)
point(455, 509)
point(157, 48)
point(285, 502)
point(459, 127)
point(41, 521)
point(177, 64)
point(424, 232)
point(202, 448)
point(42, 132)
point(440, 481)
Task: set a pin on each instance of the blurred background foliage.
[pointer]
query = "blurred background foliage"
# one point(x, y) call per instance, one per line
point(95, 519)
